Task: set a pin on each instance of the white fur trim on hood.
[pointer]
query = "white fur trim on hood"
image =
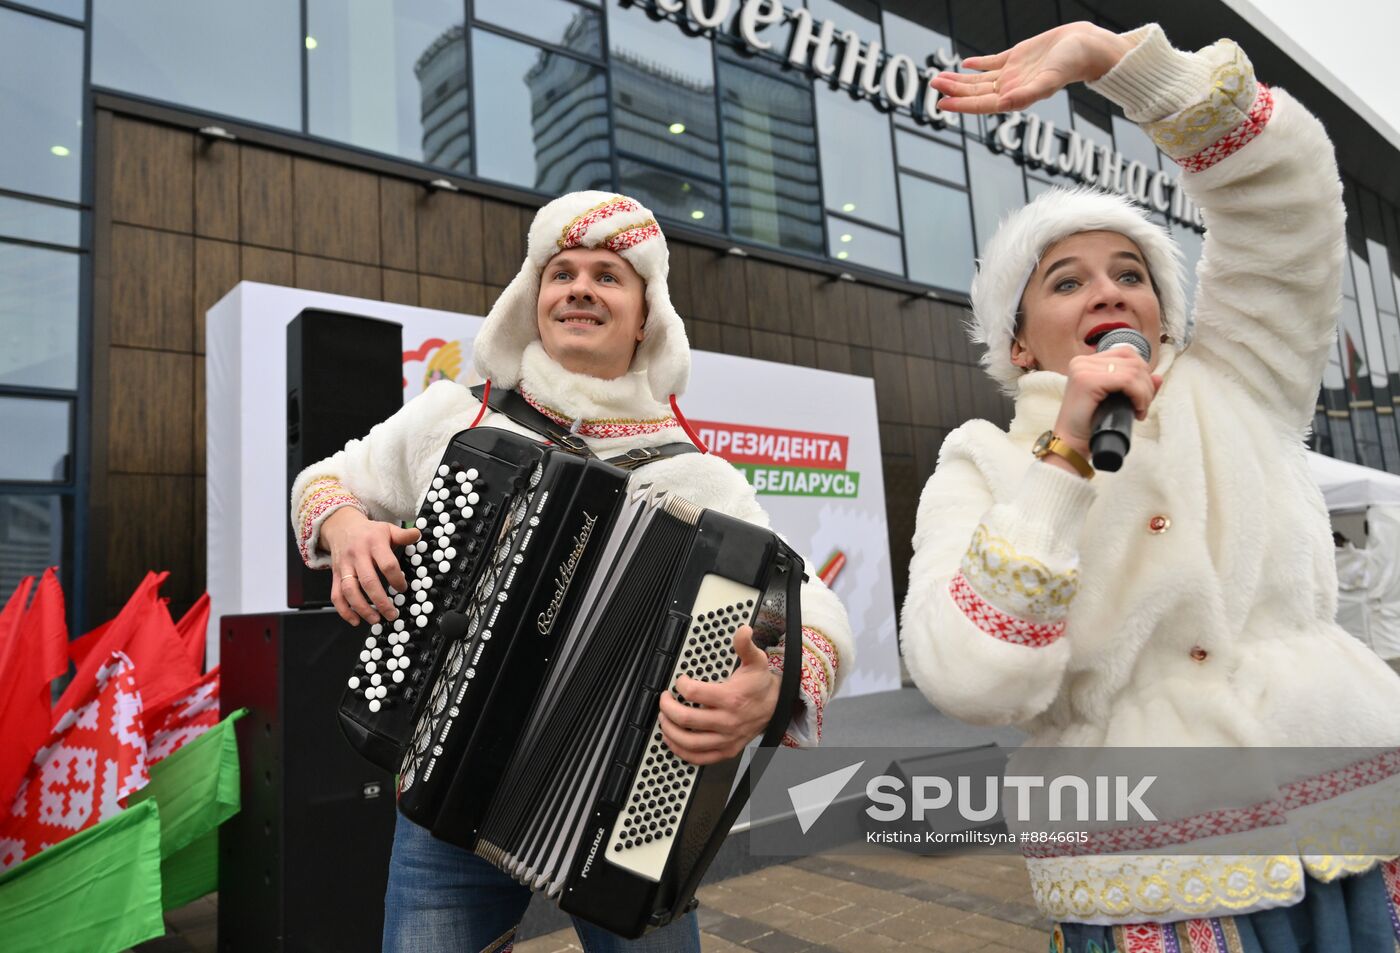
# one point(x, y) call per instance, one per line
point(589, 220)
point(1015, 250)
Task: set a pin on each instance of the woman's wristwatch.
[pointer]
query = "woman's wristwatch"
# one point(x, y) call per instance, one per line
point(1048, 443)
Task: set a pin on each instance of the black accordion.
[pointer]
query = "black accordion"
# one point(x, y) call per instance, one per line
point(517, 692)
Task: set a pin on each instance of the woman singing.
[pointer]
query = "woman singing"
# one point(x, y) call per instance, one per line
point(1186, 600)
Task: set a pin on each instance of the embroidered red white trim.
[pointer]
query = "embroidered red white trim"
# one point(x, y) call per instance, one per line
point(1324, 787)
point(1145, 938)
point(633, 236)
point(998, 624)
point(320, 497)
point(1237, 138)
point(822, 645)
point(1167, 833)
point(1390, 871)
point(605, 428)
point(573, 233)
point(812, 686)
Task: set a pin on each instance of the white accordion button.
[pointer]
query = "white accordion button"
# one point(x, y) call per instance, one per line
point(391, 663)
point(377, 628)
point(376, 679)
point(444, 566)
point(461, 477)
point(427, 608)
point(437, 507)
point(369, 668)
point(369, 642)
point(436, 555)
point(486, 635)
point(437, 481)
point(467, 512)
point(398, 650)
point(421, 522)
point(445, 518)
point(443, 470)
point(416, 560)
point(421, 621)
point(460, 502)
point(451, 528)
point(354, 682)
point(422, 546)
point(450, 552)
point(421, 596)
point(399, 599)
point(398, 676)
point(398, 626)
point(473, 498)
point(472, 474)
point(364, 655)
point(376, 654)
point(373, 705)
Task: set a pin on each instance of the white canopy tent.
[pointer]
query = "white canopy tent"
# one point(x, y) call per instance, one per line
point(1368, 598)
point(1352, 488)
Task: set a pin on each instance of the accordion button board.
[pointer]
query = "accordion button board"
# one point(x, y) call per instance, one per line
point(642, 837)
point(461, 515)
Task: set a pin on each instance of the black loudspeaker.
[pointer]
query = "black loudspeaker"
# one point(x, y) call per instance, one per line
point(344, 375)
point(304, 863)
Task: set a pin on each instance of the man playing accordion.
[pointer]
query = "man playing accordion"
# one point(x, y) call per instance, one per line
point(587, 335)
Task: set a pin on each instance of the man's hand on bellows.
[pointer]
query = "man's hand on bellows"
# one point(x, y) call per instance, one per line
point(1032, 70)
point(732, 712)
point(361, 551)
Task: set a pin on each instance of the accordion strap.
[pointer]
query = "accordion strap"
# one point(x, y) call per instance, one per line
point(772, 735)
point(511, 404)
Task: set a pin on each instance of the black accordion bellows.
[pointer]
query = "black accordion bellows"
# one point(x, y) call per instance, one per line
point(550, 607)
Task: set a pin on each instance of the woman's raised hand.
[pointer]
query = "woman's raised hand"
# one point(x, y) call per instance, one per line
point(1032, 70)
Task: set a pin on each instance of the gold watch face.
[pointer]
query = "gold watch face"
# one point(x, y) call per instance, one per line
point(1042, 443)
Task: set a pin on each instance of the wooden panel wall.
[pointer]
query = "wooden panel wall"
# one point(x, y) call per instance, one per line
point(180, 220)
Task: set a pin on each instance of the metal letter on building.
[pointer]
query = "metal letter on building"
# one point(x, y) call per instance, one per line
point(811, 52)
point(1007, 128)
point(901, 80)
point(1135, 182)
point(1078, 158)
point(1157, 192)
point(756, 13)
point(855, 54)
point(1110, 177)
point(1040, 146)
point(670, 6)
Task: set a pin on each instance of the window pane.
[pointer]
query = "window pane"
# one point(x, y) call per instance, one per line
point(663, 88)
point(771, 158)
point(544, 123)
point(31, 536)
point(72, 9)
point(978, 26)
point(860, 16)
point(38, 317)
point(997, 189)
point(937, 233)
point(240, 59)
point(849, 241)
point(1092, 118)
point(41, 106)
point(929, 157)
point(549, 21)
point(34, 440)
point(689, 200)
point(390, 78)
point(38, 222)
point(857, 158)
point(1134, 143)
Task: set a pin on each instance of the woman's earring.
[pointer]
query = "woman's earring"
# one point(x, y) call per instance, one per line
point(1166, 338)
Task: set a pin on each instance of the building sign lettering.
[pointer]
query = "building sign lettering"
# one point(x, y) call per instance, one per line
point(896, 81)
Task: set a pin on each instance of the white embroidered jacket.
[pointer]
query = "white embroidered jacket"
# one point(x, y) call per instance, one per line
point(387, 472)
point(1187, 600)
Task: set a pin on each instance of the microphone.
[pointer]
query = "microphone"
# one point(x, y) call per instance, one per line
point(1113, 420)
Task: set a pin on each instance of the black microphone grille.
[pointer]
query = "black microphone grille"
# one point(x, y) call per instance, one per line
point(1129, 336)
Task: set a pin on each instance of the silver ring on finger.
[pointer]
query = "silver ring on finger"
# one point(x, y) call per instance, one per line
point(346, 575)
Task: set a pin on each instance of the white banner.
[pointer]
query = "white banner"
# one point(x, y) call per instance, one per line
point(808, 439)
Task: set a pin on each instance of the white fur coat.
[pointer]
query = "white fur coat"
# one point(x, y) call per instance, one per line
point(1189, 599)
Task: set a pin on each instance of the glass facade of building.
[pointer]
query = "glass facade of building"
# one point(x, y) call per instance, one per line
point(791, 133)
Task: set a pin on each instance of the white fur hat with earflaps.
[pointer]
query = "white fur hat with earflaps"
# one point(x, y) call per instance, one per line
point(1011, 257)
point(589, 220)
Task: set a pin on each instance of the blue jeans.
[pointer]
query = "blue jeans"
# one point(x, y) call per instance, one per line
point(443, 899)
